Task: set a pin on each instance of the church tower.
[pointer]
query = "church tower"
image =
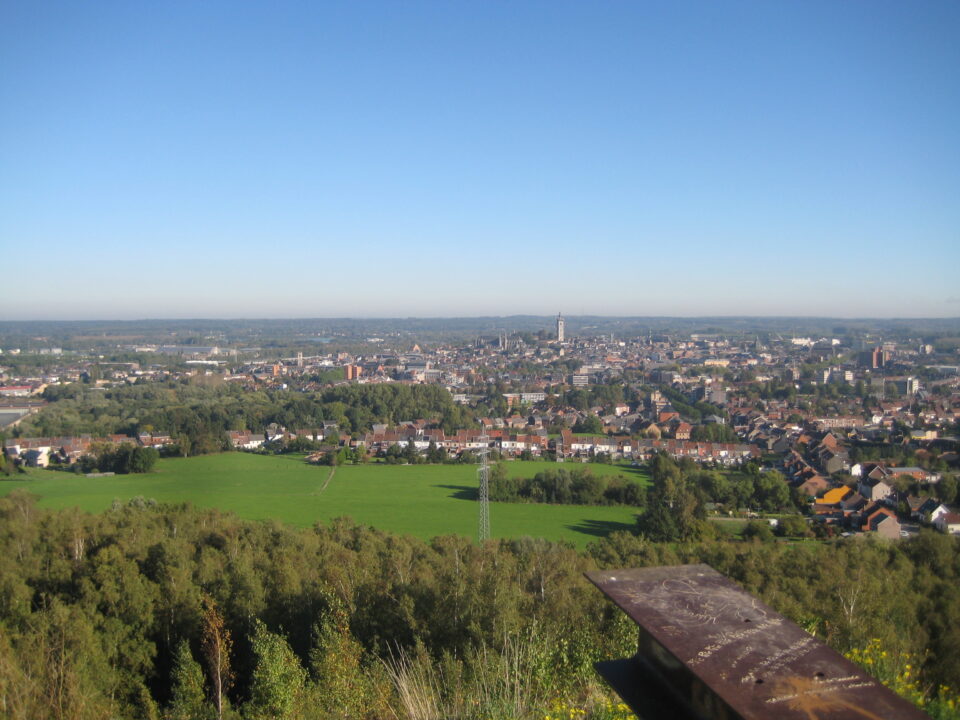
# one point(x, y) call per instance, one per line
point(559, 327)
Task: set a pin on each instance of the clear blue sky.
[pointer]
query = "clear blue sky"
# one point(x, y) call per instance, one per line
point(287, 159)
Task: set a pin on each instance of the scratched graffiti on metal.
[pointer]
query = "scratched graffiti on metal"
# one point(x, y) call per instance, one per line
point(690, 604)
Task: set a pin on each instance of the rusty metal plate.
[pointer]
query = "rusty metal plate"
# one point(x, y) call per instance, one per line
point(725, 655)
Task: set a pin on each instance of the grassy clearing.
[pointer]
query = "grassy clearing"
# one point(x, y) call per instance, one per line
point(732, 526)
point(420, 500)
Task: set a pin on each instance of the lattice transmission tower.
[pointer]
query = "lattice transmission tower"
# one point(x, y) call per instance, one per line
point(484, 473)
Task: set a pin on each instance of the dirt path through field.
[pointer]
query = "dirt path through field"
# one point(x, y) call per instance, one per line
point(326, 482)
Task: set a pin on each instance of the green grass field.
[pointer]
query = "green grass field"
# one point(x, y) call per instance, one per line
point(420, 500)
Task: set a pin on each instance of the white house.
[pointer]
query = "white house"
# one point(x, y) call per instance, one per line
point(948, 523)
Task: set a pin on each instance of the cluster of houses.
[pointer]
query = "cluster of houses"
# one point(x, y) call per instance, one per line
point(41, 452)
point(869, 500)
point(533, 441)
point(873, 507)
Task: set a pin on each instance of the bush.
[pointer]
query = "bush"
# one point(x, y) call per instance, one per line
point(758, 530)
point(793, 526)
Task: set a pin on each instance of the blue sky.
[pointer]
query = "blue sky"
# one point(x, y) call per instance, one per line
point(285, 159)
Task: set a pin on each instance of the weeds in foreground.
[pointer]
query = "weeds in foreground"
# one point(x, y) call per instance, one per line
point(901, 673)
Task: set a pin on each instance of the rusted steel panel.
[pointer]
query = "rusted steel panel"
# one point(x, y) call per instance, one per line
point(725, 655)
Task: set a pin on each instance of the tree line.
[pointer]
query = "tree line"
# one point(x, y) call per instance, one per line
point(676, 506)
point(121, 459)
point(676, 499)
point(197, 413)
point(579, 486)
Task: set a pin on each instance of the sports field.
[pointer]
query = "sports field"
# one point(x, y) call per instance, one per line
point(421, 500)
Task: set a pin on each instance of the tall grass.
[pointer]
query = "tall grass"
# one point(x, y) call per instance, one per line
point(491, 684)
point(419, 685)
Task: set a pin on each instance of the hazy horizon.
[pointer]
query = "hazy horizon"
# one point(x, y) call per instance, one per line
point(537, 316)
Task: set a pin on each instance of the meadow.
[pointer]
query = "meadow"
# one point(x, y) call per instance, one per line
point(419, 500)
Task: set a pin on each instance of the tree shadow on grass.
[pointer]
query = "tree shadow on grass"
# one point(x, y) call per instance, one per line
point(462, 492)
point(637, 473)
point(601, 528)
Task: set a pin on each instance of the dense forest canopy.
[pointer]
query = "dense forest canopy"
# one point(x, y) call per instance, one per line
point(149, 610)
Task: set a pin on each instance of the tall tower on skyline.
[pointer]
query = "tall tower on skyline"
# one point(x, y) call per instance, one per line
point(559, 327)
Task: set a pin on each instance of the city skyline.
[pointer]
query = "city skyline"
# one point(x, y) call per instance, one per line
point(426, 160)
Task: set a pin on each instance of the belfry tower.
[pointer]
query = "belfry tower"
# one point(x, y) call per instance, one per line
point(559, 327)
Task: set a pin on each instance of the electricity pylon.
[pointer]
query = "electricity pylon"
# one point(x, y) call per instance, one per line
point(484, 472)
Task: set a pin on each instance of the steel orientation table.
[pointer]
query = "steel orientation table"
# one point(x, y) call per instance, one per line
point(710, 650)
